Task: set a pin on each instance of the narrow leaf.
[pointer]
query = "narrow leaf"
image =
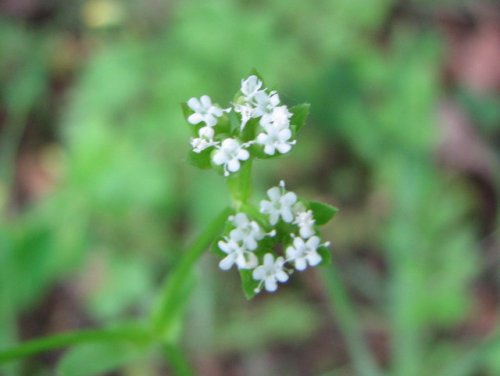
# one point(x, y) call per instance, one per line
point(323, 213)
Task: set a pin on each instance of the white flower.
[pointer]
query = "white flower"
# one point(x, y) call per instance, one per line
point(279, 117)
point(305, 220)
point(276, 138)
point(229, 154)
point(204, 111)
point(246, 231)
point(205, 139)
point(250, 87)
point(270, 272)
point(265, 103)
point(236, 254)
point(280, 204)
point(304, 252)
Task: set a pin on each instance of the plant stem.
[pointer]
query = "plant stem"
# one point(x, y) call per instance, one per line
point(133, 333)
point(176, 283)
point(177, 361)
point(362, 359)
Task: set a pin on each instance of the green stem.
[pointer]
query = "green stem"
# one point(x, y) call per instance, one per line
point(177, 360)
point(176, 284)
point(240, 185)
point(126, 333)
point(362, 359)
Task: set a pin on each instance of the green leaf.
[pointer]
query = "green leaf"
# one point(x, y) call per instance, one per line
point(201, 160)
point(248, 284)
point(326, 255)
point(300, 113)
point(323, 213)
point(98, 359)
point(186, 111)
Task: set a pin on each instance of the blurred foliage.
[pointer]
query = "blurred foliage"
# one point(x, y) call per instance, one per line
point(124, 200)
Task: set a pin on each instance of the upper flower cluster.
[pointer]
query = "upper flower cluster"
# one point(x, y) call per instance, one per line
point(289, 222)
point(263, 127)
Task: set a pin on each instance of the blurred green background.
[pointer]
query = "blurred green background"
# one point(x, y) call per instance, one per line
point(98, 201)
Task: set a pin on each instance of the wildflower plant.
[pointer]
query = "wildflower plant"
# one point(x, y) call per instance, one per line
point(265, 241)
point(257, 125)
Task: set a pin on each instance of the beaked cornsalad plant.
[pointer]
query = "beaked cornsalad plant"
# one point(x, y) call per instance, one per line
point(265, 241)
point(257, 125)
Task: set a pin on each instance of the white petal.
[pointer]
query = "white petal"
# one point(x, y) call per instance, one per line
point(289, 198)
point(285, 134)
point(252, 260)
point(313, 242)
point(259, 273)
point(269, 149)
point(206, 101)
point(227, 262)
point(266, 206)
point(291, 253)
point(306, 232)
point(283, 147)
point(286, 214)
point(233, 165)
point(250, 243)
point(300, 264)
point(274, 217)
point(219, 158)
point(207, 132)
point(270, 284)
point(274, 193)
point(281, 276)
point(195, 118)
point(194, 104)
point(243, 154)
point(268, 260)
point(313, 258)
point(224, 247)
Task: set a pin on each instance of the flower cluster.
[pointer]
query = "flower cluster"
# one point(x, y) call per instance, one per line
point(289, 223)
point(269, 241)
point(263, 127)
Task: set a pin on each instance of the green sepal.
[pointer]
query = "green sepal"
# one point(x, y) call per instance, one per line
point(326, 255)
point(248, 284)
point(201, 160)
point(322, 213)
point(299, 116)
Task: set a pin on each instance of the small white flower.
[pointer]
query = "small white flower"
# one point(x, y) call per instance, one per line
point(279, 117)
point(280, 204)
point(204, 111)
point(199, 144)
point(276, 138)
point(246, 231)
point(229, 154)
point(265, 103)
point(270, 273)
point(305, 220)
point(250, 87)
point(304, 252)
point(205, 139)
point(236, 254)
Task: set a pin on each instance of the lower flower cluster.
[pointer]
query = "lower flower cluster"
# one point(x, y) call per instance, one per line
point(250, 243)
